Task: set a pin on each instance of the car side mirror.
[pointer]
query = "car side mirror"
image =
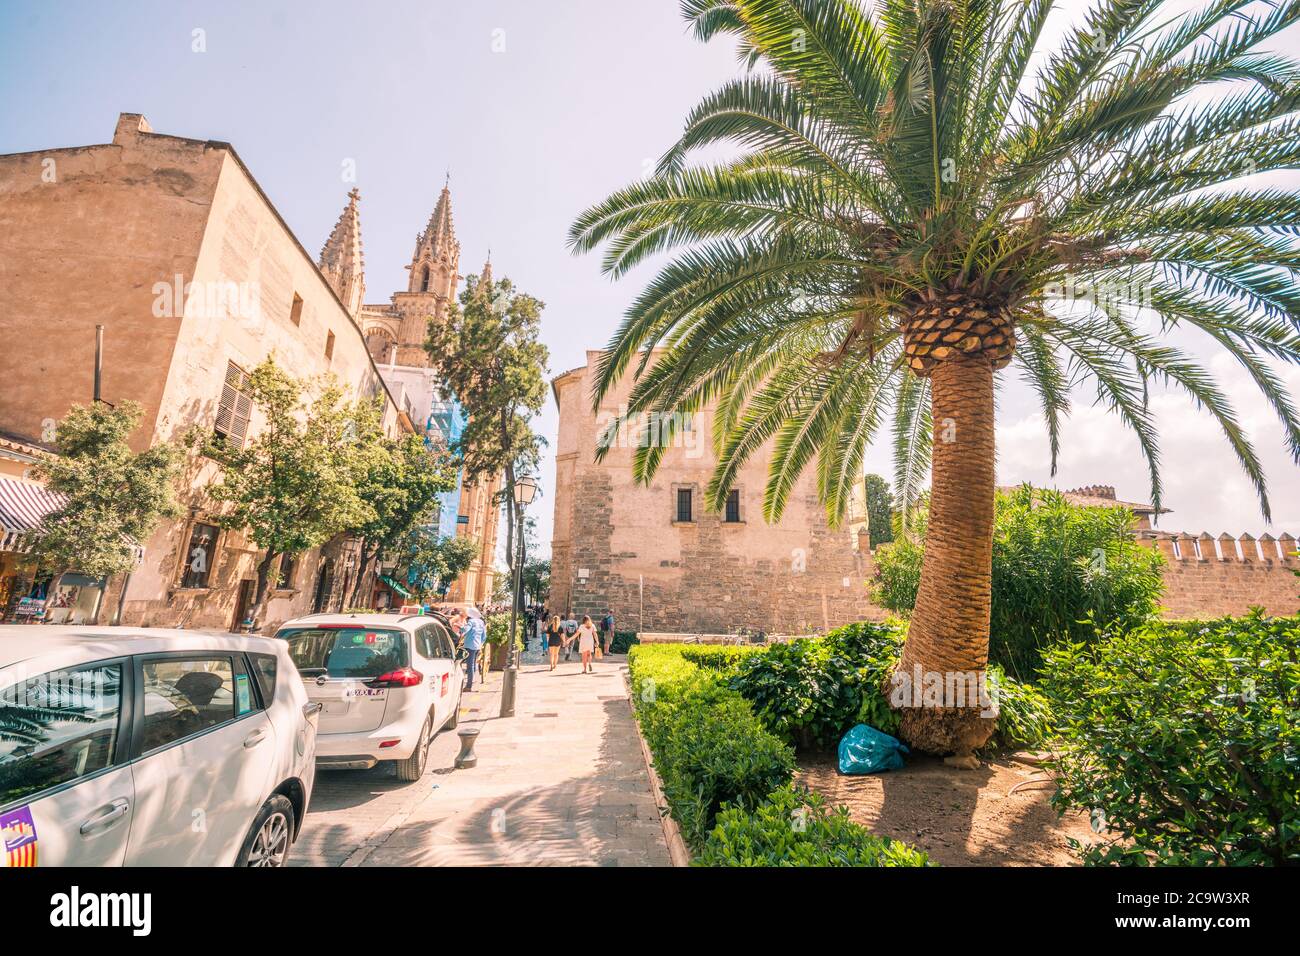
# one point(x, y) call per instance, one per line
point(462, 654)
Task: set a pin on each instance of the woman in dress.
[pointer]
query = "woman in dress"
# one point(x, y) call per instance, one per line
point(586, 643)
point(554, 638)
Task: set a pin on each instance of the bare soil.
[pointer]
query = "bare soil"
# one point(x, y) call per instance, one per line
point(959, 817)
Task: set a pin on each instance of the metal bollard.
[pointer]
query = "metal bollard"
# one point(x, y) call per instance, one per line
point(466, 758)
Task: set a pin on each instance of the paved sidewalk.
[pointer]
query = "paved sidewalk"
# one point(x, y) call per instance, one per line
point(563, 782)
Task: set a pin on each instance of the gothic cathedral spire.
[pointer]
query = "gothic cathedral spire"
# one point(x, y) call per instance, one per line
point(437, 253)
point(342, 261)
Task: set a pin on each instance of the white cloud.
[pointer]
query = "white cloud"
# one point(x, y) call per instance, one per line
point(1203, 484)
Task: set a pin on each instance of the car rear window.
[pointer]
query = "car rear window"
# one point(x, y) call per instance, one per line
point(346, 651)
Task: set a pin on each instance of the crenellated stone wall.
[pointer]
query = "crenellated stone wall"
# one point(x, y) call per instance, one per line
point(1207, 576)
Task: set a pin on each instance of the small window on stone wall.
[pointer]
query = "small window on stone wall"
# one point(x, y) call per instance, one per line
point(329, 345)
point(295, 311)
point(733, 506)
point(684, 504)
point(196, 569)
point(288, 566)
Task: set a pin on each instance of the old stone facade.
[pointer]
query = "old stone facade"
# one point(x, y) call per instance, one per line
point(173, 247)
point(395, 334)
point(620, 546)
point(659, 560)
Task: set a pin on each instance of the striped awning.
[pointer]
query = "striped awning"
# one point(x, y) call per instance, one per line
point(400, 589)
point(23, 508)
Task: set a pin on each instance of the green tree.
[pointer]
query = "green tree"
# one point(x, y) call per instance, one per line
point(1061, 572)
point(400, 481)
point(488, 355)
point(294, 485)
point(929, 190)
point(537, 580)
point(880, 511)
point(113, 497)
point(430, 564)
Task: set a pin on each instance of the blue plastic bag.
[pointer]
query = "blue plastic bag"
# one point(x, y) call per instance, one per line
point(866, 750)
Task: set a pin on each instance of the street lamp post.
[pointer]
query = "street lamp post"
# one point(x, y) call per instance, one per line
point(524, 491)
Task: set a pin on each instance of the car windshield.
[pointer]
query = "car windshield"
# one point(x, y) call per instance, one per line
point(346, 651)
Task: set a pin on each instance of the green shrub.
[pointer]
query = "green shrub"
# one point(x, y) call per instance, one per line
point(1185, 739)
point(1024, 712)
point(813, 689)
point(794, 828)
point(723, 658)
point(709, 747)
point(1061, 572)
point(623, 641)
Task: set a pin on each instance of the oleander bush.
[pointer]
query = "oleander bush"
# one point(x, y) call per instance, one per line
point(794, 827)
point(1184, 739)
point(1061, 572)
point(811, 690)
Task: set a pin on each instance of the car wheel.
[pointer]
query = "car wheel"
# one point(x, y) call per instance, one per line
point(412, 768)
point(454, 720)
point(268, 842)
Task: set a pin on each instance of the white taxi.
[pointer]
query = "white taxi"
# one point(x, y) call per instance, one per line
point(387, 684)
point(150, 747)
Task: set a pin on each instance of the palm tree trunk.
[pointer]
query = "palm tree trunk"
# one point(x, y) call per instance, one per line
point(948, 641)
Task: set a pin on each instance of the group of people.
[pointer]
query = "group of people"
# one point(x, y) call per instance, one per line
point(556, 634)
point(564, 634)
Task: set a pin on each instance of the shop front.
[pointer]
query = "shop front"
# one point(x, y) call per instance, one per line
point(28, 594)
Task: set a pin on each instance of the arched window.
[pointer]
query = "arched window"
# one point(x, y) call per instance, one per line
point(424, 278)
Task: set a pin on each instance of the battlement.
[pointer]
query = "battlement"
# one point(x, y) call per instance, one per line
point(1180, 546)
point(1208, 576)
point(1094, 491)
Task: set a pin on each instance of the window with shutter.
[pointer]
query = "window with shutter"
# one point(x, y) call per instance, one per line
point(236, 407)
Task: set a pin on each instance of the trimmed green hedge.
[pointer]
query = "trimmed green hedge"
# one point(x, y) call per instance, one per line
point(718, 657)
point(793, 827)
point(708, 746)
point(720, 765)
point(1183, 739)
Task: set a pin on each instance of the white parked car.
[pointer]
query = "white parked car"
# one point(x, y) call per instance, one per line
point(388, 683)
point(150, 747)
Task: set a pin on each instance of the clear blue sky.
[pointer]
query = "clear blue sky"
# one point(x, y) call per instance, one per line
point(584, 94)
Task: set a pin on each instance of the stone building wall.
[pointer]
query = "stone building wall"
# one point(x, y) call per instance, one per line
point(1209, 577)
point(617, 545)
point(170, 244)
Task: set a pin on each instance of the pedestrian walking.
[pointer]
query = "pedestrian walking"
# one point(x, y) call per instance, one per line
point(472, 635)
point(554, 638)
point(570, 630)
point(607, 631)
point(586, 643)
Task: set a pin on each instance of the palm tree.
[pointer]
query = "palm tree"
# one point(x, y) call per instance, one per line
point(925, 195)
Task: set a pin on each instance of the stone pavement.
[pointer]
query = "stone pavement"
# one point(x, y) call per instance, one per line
point(563, 782)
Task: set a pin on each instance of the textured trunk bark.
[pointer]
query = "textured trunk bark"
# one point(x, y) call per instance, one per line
point(938, 688)
point(262, 596)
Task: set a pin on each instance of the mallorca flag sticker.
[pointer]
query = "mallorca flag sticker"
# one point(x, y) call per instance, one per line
point(18, 831)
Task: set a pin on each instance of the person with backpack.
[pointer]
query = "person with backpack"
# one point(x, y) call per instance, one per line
point(607, 631)
point(570, 629)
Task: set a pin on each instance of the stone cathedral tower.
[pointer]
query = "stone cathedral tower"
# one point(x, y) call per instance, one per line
point(395, 334)
point(395, 331)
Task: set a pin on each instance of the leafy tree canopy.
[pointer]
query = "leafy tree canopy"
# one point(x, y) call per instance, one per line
point(114, 497)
